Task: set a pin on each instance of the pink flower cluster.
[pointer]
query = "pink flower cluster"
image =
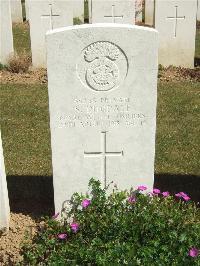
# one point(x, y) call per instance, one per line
point(132, 199)
point(74, 227)
point(86, 203)
point(155, 192)
point(193, 252)
point(183, 196)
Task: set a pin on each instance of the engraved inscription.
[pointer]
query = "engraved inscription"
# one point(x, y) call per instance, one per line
point(102, 67)
point(103, 113)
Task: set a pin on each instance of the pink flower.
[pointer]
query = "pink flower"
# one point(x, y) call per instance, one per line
point(193, 252)
point(186, 198)
point(55, 215)
point(156, 191)
point(62, 236)
point(165, 194)
point(178, 195)
point(131, 199)
point(183, 194)
point(142, 188)
point(86, 203)
point(74, 227)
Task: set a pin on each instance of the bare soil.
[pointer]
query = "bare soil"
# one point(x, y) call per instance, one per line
point(40, 76)
point(10, 243)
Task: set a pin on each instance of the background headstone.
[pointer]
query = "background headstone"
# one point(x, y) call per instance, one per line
point(6, 36)
point(175, 21)
point(4, 201)
point(149, 12)
point(43, 16)
point(78, 9)
point(27, 9)
point(198, 10)
point(102, 98)
point(16, 11)
point(112, 11)
point(138, 10)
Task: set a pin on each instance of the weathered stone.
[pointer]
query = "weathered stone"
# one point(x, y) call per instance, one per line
point(102, 98)
point(4, 201)
point(6, 36)
point(175, 21)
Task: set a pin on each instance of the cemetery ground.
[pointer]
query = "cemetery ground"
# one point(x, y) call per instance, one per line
point(26, 141)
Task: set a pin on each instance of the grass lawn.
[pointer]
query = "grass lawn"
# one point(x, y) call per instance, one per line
point(26, 137)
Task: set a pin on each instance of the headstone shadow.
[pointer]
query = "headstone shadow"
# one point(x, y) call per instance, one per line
point(34, 194)
point(176, 183)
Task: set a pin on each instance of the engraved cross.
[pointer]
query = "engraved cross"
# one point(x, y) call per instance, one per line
point(113, 15)
point(176, 18)
point(103, 154)
point(50, 16)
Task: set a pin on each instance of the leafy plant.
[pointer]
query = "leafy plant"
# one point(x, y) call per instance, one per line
point(123, 228)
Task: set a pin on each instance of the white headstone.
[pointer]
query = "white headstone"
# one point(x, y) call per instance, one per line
point(175, 21)
point(149, 12)
point(78, 9)
point(16, 11)
point(198, 10)
point(102, 98)
point(27, 9)
point(6, 36)
point(4, 201)
point(43, 16)
point(138, 10)
point(112, 11)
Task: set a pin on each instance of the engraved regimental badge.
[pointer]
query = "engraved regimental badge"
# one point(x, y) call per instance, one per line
point(103, 66)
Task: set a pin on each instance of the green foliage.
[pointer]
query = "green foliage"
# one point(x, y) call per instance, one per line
point(77, 21)
point(2, 66)
point(150, 230)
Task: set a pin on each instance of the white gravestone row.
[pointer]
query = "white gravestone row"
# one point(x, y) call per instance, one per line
point(102, 100)
point(16, 11)
point(4, 201)
point(112, 11)
point(149, 12)
point(6, 36)
point(43, 16)
point(175, 21)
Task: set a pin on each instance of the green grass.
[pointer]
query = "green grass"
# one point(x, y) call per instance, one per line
point(25, 129)
point(178, 115)
point(21, 38)
point(26, 136)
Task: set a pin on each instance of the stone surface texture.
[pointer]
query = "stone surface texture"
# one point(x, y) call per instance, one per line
point(6, 36)
point(138, 10)
point(16, 11)
point(112, 11)
point(149, 12)
point(41, 21)
point(4, 201)
point(176, 36)
point(102, 100)
point(198, 10)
